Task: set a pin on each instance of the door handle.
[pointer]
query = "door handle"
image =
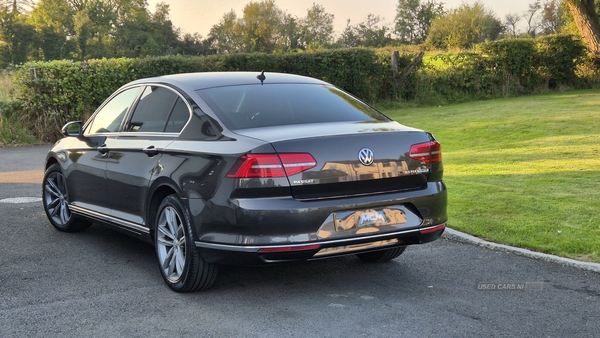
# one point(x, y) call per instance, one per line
point(103, 149)
point(150, 151)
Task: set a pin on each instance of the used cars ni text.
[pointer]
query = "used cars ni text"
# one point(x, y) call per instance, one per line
point(246, 168)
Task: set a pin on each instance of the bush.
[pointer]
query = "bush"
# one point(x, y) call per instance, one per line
point(503, 68)
point(456, 77)
point(12, 129)
point(515, 62)
point(559, 56)
point(388, 83)
point(55, 92)
point(588, 72)
point(52, 93)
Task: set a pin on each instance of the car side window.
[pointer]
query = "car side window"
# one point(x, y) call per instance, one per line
point(109, 118)
point(153, 110)
point(179, 117)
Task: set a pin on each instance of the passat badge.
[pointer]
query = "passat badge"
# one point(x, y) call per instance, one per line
point(365, 156)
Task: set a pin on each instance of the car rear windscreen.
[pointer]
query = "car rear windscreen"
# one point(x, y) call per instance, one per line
point(253, 106)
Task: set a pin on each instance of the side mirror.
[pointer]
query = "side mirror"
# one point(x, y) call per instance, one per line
point(74, 128)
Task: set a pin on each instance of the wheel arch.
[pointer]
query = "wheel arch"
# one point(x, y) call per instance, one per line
point(50, 161)
point(157, 196)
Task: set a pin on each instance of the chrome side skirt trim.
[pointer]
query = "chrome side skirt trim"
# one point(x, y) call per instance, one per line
point(331, 243)
point(109, 219)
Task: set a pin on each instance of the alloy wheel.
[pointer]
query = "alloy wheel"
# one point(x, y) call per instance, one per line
point(56, 198)
point(171, 244)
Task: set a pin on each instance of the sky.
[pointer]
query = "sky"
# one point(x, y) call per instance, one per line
point(198, 16)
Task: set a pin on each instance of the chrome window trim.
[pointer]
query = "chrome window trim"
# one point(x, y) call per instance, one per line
point(93, 116)
point(130, 111)
point(137, 100)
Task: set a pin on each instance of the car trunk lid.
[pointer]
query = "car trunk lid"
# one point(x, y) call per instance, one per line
point(351, 158)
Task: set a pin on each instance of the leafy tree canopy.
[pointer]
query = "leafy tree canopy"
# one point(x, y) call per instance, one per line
point(414, 19)
point(464, 27)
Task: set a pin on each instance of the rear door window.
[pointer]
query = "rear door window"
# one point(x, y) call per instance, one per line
point(178, 118)
point(153, 109)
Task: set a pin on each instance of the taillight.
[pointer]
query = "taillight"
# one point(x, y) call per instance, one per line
point(271, 165)
point(430, 152)
point(297, 163)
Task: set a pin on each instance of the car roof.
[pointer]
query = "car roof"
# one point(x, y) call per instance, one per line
point(196, 81)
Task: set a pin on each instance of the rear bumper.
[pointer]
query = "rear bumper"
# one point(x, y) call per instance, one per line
point(269, 254)
point(265, 230)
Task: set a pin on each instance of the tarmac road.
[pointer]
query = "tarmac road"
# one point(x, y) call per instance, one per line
point(101, 283)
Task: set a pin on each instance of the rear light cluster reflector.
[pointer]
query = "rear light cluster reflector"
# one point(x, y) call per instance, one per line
point(429, 152)
point(434, 229)
point(271, 165)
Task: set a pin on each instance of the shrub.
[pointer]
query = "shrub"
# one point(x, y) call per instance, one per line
point(12, 129)
point(55, 92)
point(456, 77)
point(52, 93)
point(516, 62)
point(560, 55)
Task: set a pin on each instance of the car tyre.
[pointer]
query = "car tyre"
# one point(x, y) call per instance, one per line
point(55, 197)
point(382, 255)
point(179, 260)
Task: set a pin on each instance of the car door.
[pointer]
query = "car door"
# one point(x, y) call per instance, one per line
point(88, 154)
point(134, 155)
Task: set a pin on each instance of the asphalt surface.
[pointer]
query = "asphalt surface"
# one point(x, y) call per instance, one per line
point(101, 283)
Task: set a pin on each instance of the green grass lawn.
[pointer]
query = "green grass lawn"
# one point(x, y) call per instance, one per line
point(522, 171)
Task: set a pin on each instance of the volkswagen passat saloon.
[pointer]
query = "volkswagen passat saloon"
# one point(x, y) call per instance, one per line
point(246, 168)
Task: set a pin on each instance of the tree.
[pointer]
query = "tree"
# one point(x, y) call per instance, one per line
point(366, 34)
point(413, 19)
point(17, 36)
point(53, 20)
point(406, 20)
point(530, 18)
point(83, 29)
point(511, 20)
point(17, 6)
point(113, 28)
point(261, 26)
point(292, 35)
point(162, 38)
point(260, 29)
point(464, 26)
point(552, 17)
point(134, 36)
point(317, 27)
point(225, 37)
point(193, 44)
point(371, 34)
point(95, 22)
point(349, 37)
point(586, 19)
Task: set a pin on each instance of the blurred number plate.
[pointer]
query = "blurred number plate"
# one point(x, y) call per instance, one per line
point(368, 218)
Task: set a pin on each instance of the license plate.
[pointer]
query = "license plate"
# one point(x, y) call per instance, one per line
point(368, 218)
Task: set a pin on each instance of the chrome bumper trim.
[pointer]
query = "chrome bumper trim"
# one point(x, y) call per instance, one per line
point(325, 244)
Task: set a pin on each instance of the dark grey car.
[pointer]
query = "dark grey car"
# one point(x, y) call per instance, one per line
point(231, 168)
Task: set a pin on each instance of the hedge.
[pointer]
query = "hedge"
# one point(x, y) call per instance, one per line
point(52, 93)
point(501, 69)
point(55, 92)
